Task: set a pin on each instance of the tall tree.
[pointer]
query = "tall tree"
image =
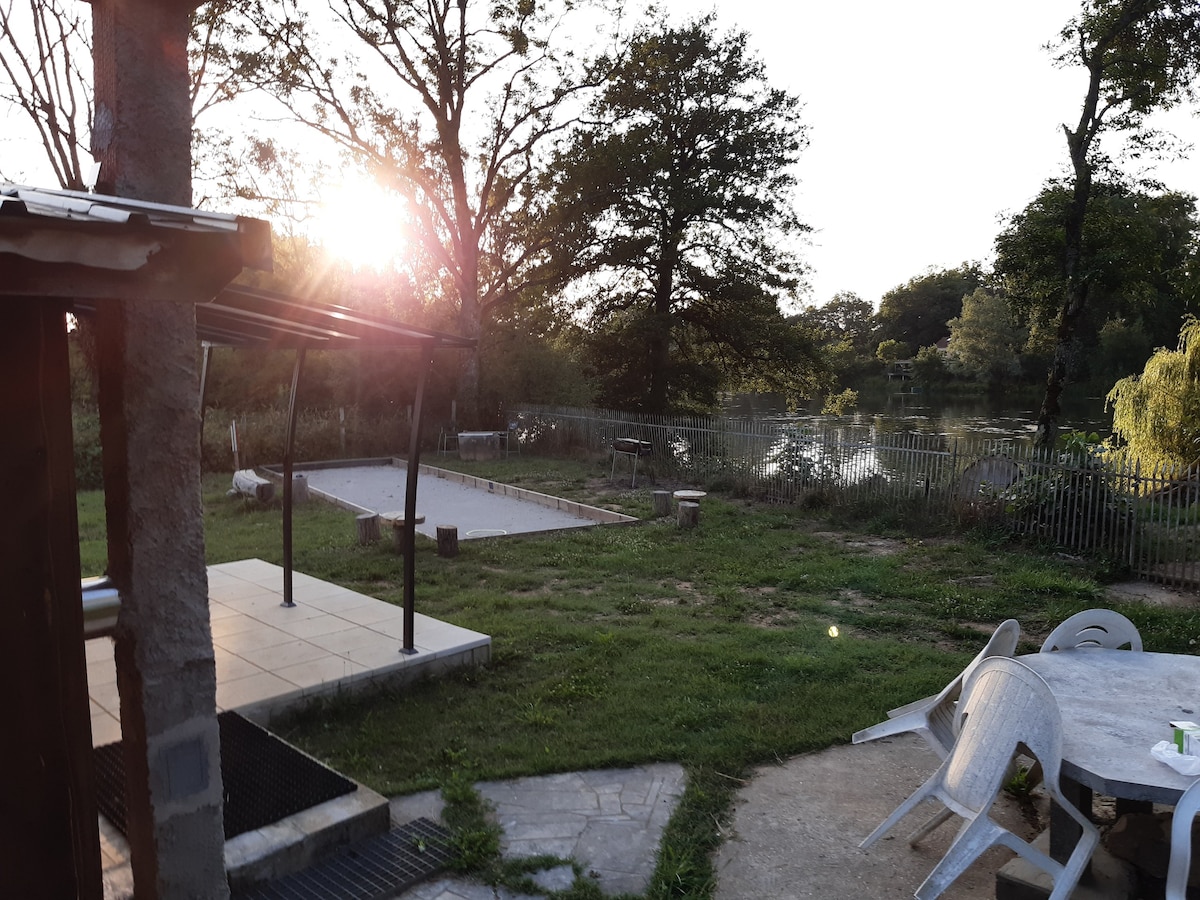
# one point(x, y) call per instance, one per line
point(916, 312)
point(1140, 56)
point(673, 212)
point(448, 103)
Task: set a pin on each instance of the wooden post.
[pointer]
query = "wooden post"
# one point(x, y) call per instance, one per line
point(447, 540)
point(689, 514)
point(662, 503)
point(368, 528)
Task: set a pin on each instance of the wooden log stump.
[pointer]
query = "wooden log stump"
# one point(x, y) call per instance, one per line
point(689, 514)
point(447, 540)
point(249, 483)
point(662, 503)
point(396, 521)
point(299, 489)
point(368, 528)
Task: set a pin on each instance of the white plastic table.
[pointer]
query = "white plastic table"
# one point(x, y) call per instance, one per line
point(1116, 705)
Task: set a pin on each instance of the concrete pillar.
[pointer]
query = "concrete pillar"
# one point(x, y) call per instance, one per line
point(150, 430)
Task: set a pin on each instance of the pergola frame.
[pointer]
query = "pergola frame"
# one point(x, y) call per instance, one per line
point(67, 252)
point(244, 317)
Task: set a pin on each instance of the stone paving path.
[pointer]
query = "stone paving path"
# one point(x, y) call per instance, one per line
point(610, 821)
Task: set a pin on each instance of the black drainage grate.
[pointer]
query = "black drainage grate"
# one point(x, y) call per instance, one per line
point(382, 866)
point(265, 778)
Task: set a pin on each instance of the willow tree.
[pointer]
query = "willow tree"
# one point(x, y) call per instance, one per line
point(1156, 415)
point(1141, 56)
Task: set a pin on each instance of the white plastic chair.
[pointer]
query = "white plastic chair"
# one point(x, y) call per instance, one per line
point(1094, 628)
point(1005, 705)
point(933, 717)
point(1181, 843)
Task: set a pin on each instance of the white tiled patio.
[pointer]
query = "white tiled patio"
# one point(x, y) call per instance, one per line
point(270, 658)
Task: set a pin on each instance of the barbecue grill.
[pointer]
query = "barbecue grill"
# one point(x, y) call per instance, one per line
point(632, 449)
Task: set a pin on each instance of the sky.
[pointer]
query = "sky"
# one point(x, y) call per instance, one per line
point(929, 121)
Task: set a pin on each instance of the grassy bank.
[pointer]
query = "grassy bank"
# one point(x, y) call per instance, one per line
point(627, 644)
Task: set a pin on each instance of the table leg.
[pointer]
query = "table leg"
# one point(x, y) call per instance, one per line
point(1065, 831)
point(1125, 807)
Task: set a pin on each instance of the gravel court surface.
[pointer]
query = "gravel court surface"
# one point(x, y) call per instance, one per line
point(477, 513)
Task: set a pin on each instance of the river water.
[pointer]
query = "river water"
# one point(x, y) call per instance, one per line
point(1007, 417)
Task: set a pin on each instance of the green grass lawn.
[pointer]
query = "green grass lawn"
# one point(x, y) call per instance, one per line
point(627, 644)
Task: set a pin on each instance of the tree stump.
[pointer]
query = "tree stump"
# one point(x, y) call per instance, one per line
point(662, 503)
point(395, 520)
point(689, 514)
point(368, 528)
point(447, 540)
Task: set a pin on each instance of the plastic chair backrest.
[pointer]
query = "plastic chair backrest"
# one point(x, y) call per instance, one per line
point(942, 718)
point(1181, 843)
point(1094, 628)
point(1003, 642)
point(1005, 705)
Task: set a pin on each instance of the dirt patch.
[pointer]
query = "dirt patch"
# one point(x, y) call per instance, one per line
point(853, 598)
point(876, 546)
point(868, 545)
point(1153, 594)
point(780, 619)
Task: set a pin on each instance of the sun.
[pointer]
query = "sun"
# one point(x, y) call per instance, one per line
point(362, 223)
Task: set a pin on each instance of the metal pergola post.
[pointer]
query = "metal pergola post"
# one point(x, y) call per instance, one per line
point(288, 459)
point(410, 501)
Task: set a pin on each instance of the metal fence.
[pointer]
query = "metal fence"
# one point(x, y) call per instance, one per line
point(1147, 518)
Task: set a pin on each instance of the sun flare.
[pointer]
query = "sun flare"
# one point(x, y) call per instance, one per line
point(362, 223)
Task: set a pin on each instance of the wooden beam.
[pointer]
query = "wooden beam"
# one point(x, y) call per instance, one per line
point(52, 847)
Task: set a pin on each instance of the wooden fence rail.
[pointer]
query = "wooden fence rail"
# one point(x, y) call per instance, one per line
point(1146, 517)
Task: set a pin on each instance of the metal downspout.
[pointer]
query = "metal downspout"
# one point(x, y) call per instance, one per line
point(287, 481)
point(410, 500)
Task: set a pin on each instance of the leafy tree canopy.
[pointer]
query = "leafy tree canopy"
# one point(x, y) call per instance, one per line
point(985, 340)
point(1137, 256)
point(916, 313)
point(672, 213)
point(847, 317)
point(891, 351)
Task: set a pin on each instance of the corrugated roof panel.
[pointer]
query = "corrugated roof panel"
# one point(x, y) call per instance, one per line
point(238, 316)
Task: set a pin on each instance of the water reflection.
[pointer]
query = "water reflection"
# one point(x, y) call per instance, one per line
point(1011, 417)
point(908, 442)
